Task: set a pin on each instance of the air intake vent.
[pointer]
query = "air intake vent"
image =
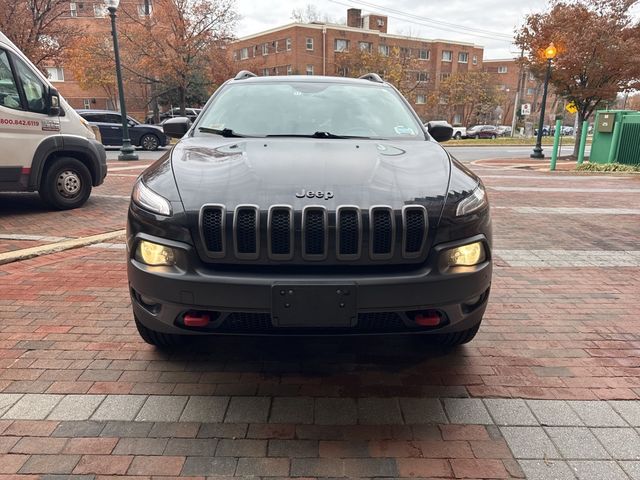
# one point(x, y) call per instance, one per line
point(382, 230)
point(245, 230)
point(314, 233)
point(414, 221)
point(348, 233)
point(280, 233)
point(212, 220)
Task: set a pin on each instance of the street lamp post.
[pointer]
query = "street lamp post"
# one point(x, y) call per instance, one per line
point(550, 53)
point(127, 151)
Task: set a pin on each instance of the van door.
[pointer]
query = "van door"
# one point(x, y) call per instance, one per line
point(24, 121)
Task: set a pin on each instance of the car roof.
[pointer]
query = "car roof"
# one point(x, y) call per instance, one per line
point(307, 79)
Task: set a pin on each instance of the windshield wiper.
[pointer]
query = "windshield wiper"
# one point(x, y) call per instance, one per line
point(317, 135)
point(225, 132)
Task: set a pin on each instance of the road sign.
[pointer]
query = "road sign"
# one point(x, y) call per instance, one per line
point(525, 109)
point(571, 107)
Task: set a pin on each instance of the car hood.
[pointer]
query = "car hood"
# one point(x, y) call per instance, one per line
point(267, 172)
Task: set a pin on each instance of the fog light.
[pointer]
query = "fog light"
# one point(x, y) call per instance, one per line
point(154, 254)
point(466, 256)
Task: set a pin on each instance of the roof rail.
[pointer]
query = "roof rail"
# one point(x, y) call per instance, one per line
point(372, 77)
point(242, 74)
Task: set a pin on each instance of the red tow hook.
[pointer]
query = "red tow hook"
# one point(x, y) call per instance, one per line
point(430, 318)
point(196, 319)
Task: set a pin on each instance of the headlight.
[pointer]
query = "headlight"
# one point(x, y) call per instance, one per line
point(154, 254)
point(473, 202)
point(466, 255)
point(150, 200)
point(91, 128)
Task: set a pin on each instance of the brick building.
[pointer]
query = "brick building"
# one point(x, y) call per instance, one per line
point(314, 48)
point(510, 77)
point(92, 18)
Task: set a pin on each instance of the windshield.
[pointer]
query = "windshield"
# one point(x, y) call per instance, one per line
point(307, 108)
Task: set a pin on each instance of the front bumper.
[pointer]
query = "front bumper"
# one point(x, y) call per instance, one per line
point(240, 299)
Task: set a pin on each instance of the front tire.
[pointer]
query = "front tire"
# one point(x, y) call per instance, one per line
point(65, 184)
point(493, 137)
point(149, 142)
point(477, 137)
point(457, 338)
point(158, 339)
point(457, 136)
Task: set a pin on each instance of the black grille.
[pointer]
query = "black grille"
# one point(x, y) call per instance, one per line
point(280, 231)
point(382, 234)
point(314, 232)
point(415, 230)
point(212, 229)
point(246, 232)
point(348, 232)
point(242, 322)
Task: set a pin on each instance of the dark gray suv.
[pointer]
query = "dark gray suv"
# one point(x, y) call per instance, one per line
point(305, 205)
point(148, 137)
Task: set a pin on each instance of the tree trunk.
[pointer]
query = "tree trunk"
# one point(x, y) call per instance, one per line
point(578, 132)
point(183, 101)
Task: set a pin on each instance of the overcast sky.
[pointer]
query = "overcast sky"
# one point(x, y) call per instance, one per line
point(410, 17)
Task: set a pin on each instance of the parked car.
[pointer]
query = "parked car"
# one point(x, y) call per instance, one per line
point(458, 132)
point(308, 205)
point(482, 131)
point(149, 137)
point(46, 146)
point(567, 131)
point(504, 130)
point(190, 113)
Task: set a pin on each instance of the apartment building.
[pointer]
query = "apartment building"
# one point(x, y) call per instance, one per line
point(315, 48)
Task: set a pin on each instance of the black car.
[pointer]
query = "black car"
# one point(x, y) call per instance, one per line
point(109, 122)
point(308, 205)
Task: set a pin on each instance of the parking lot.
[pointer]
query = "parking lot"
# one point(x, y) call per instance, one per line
point(549, 388)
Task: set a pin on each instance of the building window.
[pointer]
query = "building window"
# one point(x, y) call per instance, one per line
point(365, 46)
point(55, 74)
point(309, 43)
point(475, 59)
point(463, 57)
point(422, 77)
point(341, 45)
point(532, 77)
point(86, 103)
point(444, 76)
point(145, 8)
point(424, 54)
point(502, 69)
point(343, 71)
point(99, 10)
point(503, 87)
point(421, 99)
point(287, 43)
point(309, 70)
point(530, 91)
point(244, 53)
point(73, 9)
point(265, 49)
point(265, 72)
point(384, 50)
point(405, 52)
point(457, 119)
point(289, 70)
point(447, 56)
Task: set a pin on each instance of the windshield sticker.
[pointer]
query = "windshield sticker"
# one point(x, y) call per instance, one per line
point(402, 130)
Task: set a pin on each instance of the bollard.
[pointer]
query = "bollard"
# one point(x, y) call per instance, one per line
point(556, 143)
point(583, 141)
point(613, 152)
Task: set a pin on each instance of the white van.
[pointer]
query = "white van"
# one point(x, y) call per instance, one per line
point(45, 145)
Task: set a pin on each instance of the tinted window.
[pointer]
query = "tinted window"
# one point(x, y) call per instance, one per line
point(91, 117)
point(303, 108)
point(112, 118)
point(8, 92)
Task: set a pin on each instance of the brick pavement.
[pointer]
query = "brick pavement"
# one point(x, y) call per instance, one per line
point(80, 394)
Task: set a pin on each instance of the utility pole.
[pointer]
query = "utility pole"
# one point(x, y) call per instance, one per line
point(516, 103)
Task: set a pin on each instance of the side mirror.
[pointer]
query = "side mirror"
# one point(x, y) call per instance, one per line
point(53, 103)
point(440, 133)
point(176, 127)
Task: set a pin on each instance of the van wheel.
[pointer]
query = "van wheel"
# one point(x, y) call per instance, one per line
point(149, 142)
point(65, 184)
point(160, 340)
point(457, 136)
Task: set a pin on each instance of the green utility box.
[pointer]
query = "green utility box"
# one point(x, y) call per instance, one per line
point(616, 137)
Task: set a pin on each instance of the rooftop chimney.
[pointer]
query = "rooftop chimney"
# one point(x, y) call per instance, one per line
point(354, 18)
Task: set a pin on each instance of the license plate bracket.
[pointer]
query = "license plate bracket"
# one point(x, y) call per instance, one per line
point(314, 306)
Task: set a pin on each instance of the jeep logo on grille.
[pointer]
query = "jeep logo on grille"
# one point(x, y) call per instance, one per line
point(310, 194)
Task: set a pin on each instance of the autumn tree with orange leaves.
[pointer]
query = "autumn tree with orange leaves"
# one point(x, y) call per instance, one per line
point(34, 26)
point(598, 44)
